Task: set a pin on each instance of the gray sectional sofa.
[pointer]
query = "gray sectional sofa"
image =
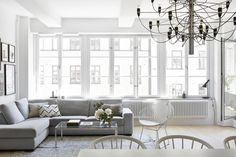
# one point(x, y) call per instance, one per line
point(26, 133)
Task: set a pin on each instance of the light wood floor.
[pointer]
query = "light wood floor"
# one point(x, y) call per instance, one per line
point(214, 135)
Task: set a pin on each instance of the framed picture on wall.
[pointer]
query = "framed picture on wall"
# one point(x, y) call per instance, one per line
point(9, 72)
point(11, 53)
point(4, 52)
point(1, 84)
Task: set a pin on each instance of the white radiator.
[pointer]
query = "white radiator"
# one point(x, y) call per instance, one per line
point(190, 109)
point(182, 108)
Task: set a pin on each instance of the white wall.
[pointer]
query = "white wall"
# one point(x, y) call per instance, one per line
point(7, 34)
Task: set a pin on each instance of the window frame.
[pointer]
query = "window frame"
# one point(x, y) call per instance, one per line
point(85, 57)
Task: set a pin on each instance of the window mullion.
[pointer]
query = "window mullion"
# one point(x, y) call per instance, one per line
point(186, 68)
point(135, 69)
point(59, 47)
point(149, 68)
point(36, 62)
point(111, 62)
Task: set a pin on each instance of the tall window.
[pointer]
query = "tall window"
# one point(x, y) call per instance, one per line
point(124, 58)
point(147, 67)
point(99, 67)
point(175, 71)
point(47, 66)
point(197, 70)
point(70, 66)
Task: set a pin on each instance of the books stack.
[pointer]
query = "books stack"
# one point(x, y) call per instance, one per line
point(73, 123)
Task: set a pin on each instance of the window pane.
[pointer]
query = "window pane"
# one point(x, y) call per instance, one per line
point(124, 59)
point(99, 67)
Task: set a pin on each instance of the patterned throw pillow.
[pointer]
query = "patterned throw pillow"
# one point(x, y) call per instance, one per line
point(49, 111)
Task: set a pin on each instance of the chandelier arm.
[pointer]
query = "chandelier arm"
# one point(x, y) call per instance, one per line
point(215, 3)
point(207, 7)
point(228, 19)
point(177, 16)
point(208, 16)
point(160, 42)
point(231, 34)
point(211, 7)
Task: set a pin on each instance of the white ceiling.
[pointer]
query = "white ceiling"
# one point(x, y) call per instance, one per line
point(50, 12)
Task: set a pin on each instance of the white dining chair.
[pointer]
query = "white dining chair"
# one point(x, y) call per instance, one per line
point(230, 142)
point(182, 142)
point(117, 142)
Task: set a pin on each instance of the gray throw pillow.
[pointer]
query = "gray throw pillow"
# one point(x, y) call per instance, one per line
point(11, 113)
point(23, 106)
point(34, 109)
point(116, 108)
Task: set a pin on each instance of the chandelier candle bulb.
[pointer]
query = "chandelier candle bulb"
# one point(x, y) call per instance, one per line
point(215, 32)
point(138, 11)
point(150, 25)
point(220, 12)
point(227, 4)
point(170, 15)
point(159, 10)
point(158, 23)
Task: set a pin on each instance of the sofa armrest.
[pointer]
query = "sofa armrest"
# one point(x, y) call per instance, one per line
point(128, 121)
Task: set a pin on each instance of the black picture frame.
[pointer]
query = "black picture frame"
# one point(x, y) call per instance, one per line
point(10, 79)
point(2, 89)
point(4, 52)
point(11, 53)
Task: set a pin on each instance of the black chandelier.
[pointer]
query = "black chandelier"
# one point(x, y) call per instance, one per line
point(190, 20)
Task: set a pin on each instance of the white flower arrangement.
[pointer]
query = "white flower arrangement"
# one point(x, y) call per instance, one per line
point(103, 115)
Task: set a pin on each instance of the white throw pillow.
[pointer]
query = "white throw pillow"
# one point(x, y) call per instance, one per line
point(49, 111)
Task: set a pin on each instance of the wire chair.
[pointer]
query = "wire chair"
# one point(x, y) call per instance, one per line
point(182, 142)
point(230, 142)
point(117, 142)
point(154, 116)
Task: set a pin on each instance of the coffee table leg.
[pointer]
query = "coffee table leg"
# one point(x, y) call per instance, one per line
point(61, 134)
point(116, 131)
point(55, 137)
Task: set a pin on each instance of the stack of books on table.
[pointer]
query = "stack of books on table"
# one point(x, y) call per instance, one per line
point(73, 123)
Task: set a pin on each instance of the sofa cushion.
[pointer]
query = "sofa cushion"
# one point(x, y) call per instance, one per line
point(55, 120)
point(2, 118)
point(23, 106)
point(73, 107)
point(48, 101)
point(49, 111)
point(29, 128)
point(116, 109)
point(34, 109)
point(105, 101)
point(11, 113)
point(118, 119)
